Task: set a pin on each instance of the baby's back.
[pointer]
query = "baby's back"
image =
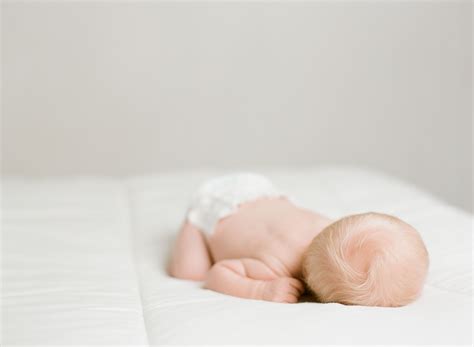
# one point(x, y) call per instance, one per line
point(272, 230)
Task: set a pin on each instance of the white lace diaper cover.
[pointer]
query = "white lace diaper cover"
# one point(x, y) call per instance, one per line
point(221, 196)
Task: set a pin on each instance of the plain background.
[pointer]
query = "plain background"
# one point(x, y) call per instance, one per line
point(119, 88)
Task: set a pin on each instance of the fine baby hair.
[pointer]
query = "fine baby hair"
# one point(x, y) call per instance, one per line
point(367, 259)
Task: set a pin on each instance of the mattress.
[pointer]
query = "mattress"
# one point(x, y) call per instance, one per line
point(83, 262)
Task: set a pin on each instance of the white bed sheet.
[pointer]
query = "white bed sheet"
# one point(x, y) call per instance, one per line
point(180, 312)
point(68, 275)
point(83, 263)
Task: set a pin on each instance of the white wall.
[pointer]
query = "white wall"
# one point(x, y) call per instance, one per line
point(130, 87)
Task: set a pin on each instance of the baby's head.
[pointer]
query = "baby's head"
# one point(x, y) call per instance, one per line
point(367, 259)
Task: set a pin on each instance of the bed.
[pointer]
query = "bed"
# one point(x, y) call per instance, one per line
point(83, 262)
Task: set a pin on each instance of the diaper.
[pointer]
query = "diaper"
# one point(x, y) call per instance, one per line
point(221, 196)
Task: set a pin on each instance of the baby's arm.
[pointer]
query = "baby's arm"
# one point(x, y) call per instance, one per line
point(190, 259)
point(252, 279)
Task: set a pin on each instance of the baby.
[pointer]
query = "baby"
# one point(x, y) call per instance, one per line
point(244, 238)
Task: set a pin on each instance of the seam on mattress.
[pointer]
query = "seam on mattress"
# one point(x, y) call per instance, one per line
point(132, 236)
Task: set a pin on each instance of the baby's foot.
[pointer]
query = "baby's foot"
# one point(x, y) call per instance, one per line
point(283, 289)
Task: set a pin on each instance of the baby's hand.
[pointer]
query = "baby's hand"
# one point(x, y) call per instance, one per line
point(283, 289)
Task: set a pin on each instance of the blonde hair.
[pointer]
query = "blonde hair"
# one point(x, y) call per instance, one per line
point(369, 259)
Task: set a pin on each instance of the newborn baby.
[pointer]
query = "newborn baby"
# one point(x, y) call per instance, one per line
point(244, 238)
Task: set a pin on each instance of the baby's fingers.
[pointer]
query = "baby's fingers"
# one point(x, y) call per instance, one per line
point(297, 285)
point(283, 289)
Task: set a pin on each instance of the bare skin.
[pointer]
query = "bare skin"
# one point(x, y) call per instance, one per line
point(255, 253)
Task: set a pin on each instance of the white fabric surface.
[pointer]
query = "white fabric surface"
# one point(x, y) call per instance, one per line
point(68, 273)
point(67, 266)
point(220, 196)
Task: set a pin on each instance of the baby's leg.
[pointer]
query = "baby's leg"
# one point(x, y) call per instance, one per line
point(190, 259)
